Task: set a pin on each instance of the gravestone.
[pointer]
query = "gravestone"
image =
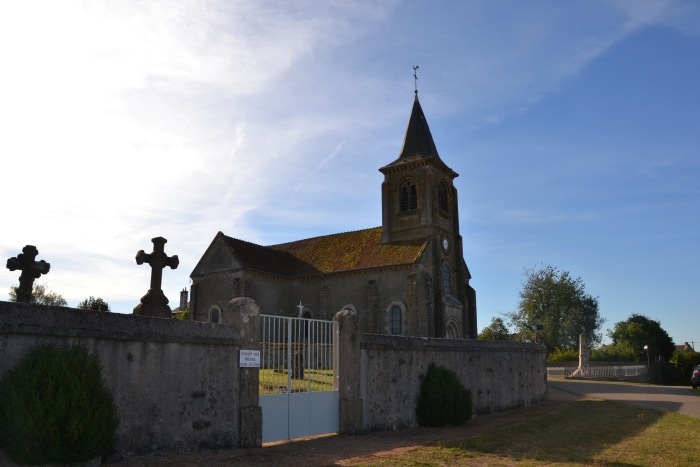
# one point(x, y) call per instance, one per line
point(155, 303)
point(30, 270)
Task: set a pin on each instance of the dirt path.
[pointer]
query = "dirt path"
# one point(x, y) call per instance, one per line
point(349, 450)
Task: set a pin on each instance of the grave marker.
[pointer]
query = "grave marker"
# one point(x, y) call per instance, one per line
point(155, 303)
point(30, 270)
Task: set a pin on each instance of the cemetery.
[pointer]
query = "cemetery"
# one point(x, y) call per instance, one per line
point(188, 385)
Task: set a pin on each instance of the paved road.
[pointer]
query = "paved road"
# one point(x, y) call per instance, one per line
point(664, 398)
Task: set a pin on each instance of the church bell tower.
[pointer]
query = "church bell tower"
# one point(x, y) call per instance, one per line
point(419, 202)
point(419, 199)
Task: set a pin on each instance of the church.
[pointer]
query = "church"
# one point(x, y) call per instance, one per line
point(407, 277)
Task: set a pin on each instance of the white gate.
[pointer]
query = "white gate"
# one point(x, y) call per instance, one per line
point(298, 377)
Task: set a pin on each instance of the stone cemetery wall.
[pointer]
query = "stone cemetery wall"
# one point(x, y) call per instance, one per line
point(176, 384)
point(499, 374)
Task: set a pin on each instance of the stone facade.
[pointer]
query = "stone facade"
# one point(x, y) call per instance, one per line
point(407, 277)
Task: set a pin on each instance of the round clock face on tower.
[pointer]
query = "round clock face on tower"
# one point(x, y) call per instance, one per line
point(445, 244)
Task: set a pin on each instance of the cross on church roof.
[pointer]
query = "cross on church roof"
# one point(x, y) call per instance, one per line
point(30, 270)
point(415, 78)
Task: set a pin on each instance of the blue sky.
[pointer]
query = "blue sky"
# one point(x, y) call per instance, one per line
point(574, 127)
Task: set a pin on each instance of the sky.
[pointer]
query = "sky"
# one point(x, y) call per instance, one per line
point(574, 126)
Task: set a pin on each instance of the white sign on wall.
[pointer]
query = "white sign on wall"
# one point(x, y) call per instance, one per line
point(250, 359)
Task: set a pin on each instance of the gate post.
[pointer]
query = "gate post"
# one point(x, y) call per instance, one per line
point(348, 348)
point(244, 313)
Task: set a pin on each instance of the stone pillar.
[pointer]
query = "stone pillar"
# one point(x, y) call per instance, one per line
point(582, 370)
point(582, 352)
point(244, 314)
point(349, 361)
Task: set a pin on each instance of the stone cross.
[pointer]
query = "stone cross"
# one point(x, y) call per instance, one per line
point(301, 308)
point(155, 303)
point(30, 270)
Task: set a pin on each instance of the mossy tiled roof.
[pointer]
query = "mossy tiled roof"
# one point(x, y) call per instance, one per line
point(347, 251)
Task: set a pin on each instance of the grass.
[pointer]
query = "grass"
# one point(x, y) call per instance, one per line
point(273, 381)
point(584, 433)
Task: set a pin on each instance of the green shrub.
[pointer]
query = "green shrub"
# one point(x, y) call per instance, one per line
point(560, 355)
point(620, 352)
point(443, 399)
point(684, 364)
point(55, 407)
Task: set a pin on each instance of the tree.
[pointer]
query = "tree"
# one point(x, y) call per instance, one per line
point(554, 309)
point(639, 331)
point(41, 295)
point(94, 304)
point(496, 331)
point(183, 315)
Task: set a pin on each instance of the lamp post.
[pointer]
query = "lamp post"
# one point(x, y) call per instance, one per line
point(646, 347)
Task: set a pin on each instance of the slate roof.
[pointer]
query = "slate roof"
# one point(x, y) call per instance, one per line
point(347, 251)
point(418, 140)
point(418, 143)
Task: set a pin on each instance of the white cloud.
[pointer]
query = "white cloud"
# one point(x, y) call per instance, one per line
point(126, 121)
point(123, 121)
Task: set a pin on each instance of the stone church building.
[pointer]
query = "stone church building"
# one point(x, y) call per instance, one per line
point(407, 277)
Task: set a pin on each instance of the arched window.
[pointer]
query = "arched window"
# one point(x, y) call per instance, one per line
point(408, 196)
point(446, 282)
point(452, 331)
point(396, 318)
point(442, 197)
point(214, 314)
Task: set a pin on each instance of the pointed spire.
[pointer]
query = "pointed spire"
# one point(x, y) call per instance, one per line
point(418, 140)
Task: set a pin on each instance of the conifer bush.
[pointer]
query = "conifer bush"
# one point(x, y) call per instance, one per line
point(56, 408)
point(443, 399)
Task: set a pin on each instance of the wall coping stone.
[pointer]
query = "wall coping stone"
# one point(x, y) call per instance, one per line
point(386, 342)
point(22, 318)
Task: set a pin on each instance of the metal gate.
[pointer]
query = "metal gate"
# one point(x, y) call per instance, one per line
point(298, 383)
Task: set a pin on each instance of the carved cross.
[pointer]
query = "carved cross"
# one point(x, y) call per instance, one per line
point(301, 309)
point(155, 303)
point(157, 260)
point(30, 270)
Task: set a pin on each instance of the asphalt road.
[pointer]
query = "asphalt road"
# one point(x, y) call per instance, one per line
point(679, 399)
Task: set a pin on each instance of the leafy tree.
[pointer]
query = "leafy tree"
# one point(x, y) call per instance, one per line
point(41, 295)
point(620, 352)
point(569, 355)
point(496, 331)
point(95, 304)
point(685, 363)
point(184, 315)
point(554, 309)
point(639, 331)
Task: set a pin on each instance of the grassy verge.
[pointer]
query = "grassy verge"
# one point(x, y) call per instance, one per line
point(585, 433)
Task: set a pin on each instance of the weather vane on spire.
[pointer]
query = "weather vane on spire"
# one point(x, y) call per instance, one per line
point(415, 78)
